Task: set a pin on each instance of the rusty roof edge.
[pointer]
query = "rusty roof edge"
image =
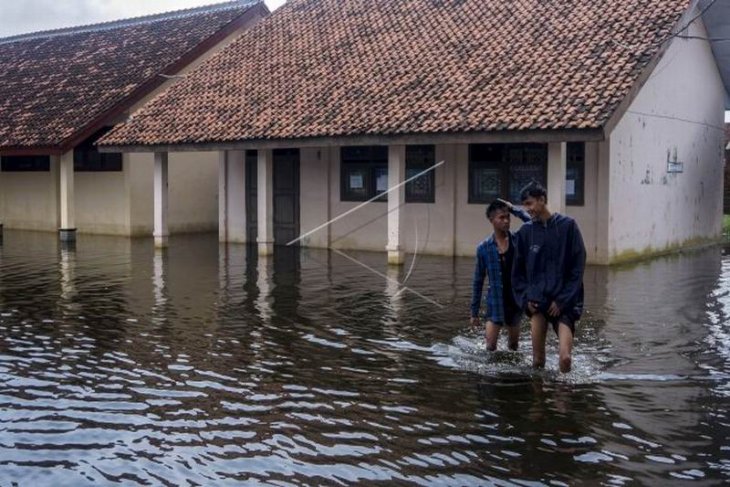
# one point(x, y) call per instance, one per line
point(623, 106)
point(132, 21)
point(506, 136)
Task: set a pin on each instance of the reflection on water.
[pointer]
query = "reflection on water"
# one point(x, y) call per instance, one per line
point(204, 365)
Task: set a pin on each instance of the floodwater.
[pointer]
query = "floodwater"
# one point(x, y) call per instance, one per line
point(203, 365)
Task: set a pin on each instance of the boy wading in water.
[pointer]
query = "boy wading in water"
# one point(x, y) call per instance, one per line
point(494, 258)
point(547, 277)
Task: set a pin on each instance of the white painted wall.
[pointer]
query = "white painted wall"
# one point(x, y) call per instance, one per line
point(193, 192)
point(680, 109)
point(315, 182)
point(428, 228)
point(29, 200)
point(101, 202)
point(366, 229)
point(589, 216)
point(450, 226)
point(116, 203)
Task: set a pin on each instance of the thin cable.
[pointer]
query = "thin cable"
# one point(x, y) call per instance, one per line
point(365, 203)
point(389, 279)
point(678, 119)
point(702, 12)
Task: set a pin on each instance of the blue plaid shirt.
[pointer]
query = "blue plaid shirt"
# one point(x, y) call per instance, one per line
point(487, 264)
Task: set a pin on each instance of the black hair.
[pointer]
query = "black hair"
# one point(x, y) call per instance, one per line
point(533, 189)
point(496, 206)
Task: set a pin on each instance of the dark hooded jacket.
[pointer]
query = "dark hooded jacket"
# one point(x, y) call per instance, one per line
point(549, 263)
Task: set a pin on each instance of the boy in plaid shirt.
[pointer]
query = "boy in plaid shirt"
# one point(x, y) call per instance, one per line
point(494, 259)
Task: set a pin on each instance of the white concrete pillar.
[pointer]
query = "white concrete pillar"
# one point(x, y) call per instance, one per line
point(396, 200)
point(265, 194)
point(223, 196)
point(161, 232)
point(232, 196)
point(236, 192)
point(67, 204)
point(557, 167)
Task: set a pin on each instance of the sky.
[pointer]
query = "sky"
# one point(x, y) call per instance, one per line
point(18, 17)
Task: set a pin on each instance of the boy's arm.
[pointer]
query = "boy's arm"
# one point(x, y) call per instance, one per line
point(477, 286)
point(574, 271)
point(520, 213)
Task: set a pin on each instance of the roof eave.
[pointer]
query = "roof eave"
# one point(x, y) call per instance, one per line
point(40, 150)
point(502, 136)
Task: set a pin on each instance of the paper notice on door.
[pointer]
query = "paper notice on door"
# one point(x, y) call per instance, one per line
point(570, 187)
point(381, 184)
point(356, 181)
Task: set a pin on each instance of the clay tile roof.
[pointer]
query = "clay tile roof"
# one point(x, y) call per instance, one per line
point(54, 84)
point(329, 68)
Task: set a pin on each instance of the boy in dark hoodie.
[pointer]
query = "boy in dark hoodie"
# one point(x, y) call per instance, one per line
point(495, 256)
point(547, 276)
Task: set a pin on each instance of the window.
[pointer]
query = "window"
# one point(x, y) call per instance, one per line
point(87, 157)
point(502, 170)
point(418, 159)
point(575, 174)
point(26, 163)
point(364, 172)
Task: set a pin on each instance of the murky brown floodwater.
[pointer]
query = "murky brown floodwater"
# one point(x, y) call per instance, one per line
point(122, 365)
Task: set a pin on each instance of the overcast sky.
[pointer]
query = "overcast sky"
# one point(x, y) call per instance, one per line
point(18, 17)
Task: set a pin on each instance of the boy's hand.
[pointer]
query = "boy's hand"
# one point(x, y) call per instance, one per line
point(554, 310)
point(474, 321)
point(509, 205)
point(532, 307)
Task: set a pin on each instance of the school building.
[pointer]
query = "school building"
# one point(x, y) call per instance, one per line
point(616, 106)
point(61, 90)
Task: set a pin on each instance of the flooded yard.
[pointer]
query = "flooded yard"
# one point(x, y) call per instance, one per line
point(203, 365)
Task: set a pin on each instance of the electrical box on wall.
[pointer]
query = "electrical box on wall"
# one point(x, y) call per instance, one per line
point(673, 164)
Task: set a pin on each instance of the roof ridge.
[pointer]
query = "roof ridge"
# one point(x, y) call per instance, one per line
point(120, 23)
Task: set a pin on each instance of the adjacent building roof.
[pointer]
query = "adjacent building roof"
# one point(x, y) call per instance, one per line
point(334, 68)
point(55, 86)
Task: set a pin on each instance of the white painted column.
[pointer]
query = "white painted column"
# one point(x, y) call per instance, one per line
point(223, 196)
point(557, 167)
point(67, 197)
point(265, 194)
point(396, 200)
point(236, 192)
point(232, 196)
point(161, 232)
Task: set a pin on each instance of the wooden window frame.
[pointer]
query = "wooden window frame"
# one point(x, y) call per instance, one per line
point(576, 160)
point(25, 163)
point(418, 159)
point(370, 160)
point(501, 162)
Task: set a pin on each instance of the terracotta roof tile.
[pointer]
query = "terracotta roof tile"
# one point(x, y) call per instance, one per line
point(53, 84)
point(320, 68)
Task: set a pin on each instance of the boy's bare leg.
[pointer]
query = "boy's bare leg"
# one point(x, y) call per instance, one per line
point(538, 326)
point(513, 336)
point(565, 336)
point(492, 336)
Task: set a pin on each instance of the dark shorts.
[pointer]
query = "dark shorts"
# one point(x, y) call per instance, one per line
point(566, 318)
point(511, 318)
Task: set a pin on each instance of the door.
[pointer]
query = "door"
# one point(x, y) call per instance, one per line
point(252, 228)
point(286, 195)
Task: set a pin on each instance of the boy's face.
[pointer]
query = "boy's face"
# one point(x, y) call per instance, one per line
point(534, 206)
point(500, 220)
